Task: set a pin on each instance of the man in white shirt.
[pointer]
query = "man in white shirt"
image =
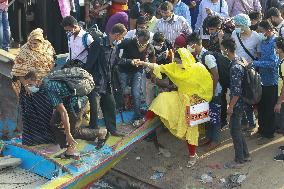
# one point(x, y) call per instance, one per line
point(170, 24)
point(210, 8)
point(247, 43)
point(78, 39)
point(274, 15)
point(141, 23)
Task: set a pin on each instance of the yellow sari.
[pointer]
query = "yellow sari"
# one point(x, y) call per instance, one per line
point(192, 79)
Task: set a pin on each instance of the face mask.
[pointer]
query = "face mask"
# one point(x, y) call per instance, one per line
point(69, 33)
point(190, 49)
point(238, 30)
point(224, 54)
point(33, 89)
point(115, 43)
point(158, 47)
point(262, 36)
point(254, 27)
point(141, 45)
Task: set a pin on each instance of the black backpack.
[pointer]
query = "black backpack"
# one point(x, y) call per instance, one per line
point(252, 89)
point(224, 66)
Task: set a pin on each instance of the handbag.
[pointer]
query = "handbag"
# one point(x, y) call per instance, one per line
point(197, 114)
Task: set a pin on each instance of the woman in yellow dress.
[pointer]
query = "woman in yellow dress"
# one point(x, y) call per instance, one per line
point(193, 83)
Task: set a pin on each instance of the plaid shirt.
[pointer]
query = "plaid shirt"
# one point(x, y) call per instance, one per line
point(59, 92)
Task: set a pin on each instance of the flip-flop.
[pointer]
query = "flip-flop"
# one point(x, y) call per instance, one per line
point(101, 142)
point(64, 155)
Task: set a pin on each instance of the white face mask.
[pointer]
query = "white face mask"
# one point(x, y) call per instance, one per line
point(115, 43)
point(190, 49)
point(33, 89)
point(238, 30)
point(158, 47)
point(262, 36)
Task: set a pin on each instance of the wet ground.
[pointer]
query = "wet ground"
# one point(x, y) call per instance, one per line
point(262, 173)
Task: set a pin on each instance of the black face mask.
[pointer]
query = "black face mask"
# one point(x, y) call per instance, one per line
point(254, 27)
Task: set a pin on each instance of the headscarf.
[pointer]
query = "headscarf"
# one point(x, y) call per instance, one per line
point(39, 59)
point(242, 20)
point(191, 79)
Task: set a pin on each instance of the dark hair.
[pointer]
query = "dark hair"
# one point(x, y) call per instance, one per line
point(32, 75)
point(255, 15)
point(273, 11)
point(144, 33)
point(194, 38)
point(280, 43)
point(214, 22)
point(69, 21)
point(166, 6)
point(229, 44)
point(265, 24)
point(118, 29)
point(159, 37)
point(148, 8)
point(141, 20)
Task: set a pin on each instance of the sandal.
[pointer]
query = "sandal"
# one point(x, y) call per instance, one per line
point(192, 161)
point(101, 142)
point(64, 155)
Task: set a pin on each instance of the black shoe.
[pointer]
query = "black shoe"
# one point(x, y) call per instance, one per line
point(279, 157)
point(281, 148)
point(117, 134)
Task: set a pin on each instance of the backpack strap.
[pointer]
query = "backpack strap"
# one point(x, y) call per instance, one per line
point(85, 40)
point(245, 49)
point(221, 5)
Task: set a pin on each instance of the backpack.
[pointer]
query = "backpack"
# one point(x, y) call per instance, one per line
point(78, 80)
point(95, 32)
point(252, 89)
point(223, 65)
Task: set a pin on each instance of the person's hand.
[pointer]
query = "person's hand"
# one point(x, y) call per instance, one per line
point(192, 4)
point(230, 110)
point(277, 108)
point(70, 140)
point(28, 91)
point(221, 35)
point(135, 62)
point(209, 12)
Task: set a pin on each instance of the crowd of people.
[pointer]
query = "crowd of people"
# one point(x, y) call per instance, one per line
point(172, 54)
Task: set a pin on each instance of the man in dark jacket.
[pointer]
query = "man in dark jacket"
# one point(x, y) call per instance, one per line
point(101, 58)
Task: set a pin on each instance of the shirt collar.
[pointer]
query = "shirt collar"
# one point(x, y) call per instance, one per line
point(81, 33)
point(280, 25)
point(178, 4)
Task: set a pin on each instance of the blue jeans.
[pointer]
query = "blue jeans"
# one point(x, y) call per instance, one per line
point(4, 30)
point(240, 145)
point(135, 79)
point(214, 128)
point(248, 117)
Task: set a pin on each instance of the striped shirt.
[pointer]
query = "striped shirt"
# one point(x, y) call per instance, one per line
point(172, 29)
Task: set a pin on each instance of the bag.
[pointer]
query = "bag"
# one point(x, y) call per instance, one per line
point(252, 89)
point(245, 49)
point(95, 32)
point(224, 66)
point(78, 80)
point(197, 114)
